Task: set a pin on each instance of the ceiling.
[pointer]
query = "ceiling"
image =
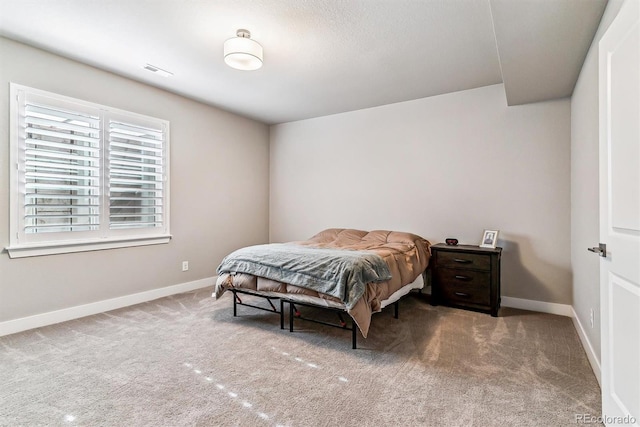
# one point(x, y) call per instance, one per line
point(321, 57)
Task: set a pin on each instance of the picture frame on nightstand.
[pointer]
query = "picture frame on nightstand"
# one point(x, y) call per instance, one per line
point(489, 239)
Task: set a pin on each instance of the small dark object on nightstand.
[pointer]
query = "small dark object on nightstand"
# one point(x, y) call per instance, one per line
point(451, 241)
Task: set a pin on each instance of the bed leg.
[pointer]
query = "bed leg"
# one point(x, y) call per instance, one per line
point(342, 322)
point(396, 309)
point(290, 316)
point(281, 314)
point(354, 334)
point(235, 304)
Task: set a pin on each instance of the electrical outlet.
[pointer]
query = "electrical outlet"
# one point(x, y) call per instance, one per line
point(591, 318)
point(185, 267)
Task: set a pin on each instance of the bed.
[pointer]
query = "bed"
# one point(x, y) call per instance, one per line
point(345, 270)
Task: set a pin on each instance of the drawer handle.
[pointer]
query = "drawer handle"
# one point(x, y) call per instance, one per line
point(462, 261)
point(465, 278)
point(462, 294)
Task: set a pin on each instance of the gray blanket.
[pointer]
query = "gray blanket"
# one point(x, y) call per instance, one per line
point(339, 273)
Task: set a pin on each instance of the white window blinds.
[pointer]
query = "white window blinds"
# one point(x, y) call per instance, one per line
point(85, 172)
point(136, 171)
point(61, 170)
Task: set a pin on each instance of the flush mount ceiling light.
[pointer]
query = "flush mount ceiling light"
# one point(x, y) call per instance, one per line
point(242, 53)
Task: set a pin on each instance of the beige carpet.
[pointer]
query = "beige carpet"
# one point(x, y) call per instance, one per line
point(185, 360)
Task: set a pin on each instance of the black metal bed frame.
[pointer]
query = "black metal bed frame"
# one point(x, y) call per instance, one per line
point(237, 301)
point(295, 313)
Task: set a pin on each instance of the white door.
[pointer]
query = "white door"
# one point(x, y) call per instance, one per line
point(620, 217)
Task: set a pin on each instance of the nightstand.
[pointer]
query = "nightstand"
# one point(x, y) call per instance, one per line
point(466, 276)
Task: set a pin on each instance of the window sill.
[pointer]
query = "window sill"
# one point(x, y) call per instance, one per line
point(54, 248)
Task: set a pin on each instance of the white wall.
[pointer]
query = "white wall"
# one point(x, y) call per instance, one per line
point(450, 165)
point(218, 203)
point(584, 189)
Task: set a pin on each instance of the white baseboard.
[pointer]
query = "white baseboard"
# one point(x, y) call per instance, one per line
point(52, 317)
point(541, 306)
point(588, 348)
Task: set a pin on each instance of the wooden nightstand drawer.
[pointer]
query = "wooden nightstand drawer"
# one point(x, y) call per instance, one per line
point(464, 286)
point(463, 260)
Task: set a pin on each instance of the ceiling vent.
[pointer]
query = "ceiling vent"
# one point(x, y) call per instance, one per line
point(158, 71)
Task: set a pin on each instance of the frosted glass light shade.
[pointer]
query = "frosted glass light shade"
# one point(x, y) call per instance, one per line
point(242, 53)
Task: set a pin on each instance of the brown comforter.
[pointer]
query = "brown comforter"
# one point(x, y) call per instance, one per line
point(406, 254)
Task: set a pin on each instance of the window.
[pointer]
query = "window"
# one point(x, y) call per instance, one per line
point(84, 176)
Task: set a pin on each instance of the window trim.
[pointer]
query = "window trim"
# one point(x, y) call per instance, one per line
point(20, 249)
point(65, 247)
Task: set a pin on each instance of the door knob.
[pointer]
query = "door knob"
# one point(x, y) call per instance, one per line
point(600, 250)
